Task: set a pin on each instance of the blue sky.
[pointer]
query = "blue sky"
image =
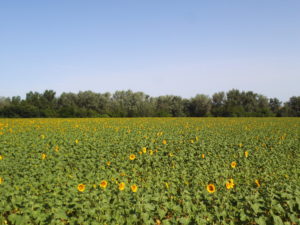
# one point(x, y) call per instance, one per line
point(158, 47)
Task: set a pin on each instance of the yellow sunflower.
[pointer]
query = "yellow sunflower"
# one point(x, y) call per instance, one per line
point(132, 157)
point(134, 188)
point(144, 149)
point(81, 187)
point(211, 188)
point(233, 164)
point(121, 186)
point(230, 184)
point(164, 142)
point(103, 184)
point(44, 156)
point(257, 183)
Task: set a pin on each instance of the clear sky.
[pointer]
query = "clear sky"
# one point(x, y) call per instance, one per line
point(158, 47)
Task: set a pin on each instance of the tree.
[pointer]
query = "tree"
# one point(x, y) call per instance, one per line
point(263, 106)
point(138, 104)
point(293, 106)
point(275, 106)
point(218, 104)
point(4, 102)
point(200, 105)
point(233, 104)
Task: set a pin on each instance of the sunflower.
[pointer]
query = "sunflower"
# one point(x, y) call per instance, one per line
point(1, 180)
point(211, 188)
point(108, 163)
point(44, 156)
point(257, 183)
point(203, 156)
point(144, 149)
point(134, 188)
point(81, 187)
point(230, 184)
point(103, 184)
point(246, 154)
point(121, 186)
point(76, 141)
point(233, 164)
point(132, 157)
point(1, 157)
point(164, 142)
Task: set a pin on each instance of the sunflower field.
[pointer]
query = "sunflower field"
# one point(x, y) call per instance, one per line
point(150, 171)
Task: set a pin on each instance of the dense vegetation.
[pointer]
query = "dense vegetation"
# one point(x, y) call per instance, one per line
point(234, 103)
point(150, 171)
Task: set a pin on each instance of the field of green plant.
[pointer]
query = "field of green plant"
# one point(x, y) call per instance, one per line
point(150, 171)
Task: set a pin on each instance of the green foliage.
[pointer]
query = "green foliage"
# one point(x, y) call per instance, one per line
point(42, 162)
point(137, 104)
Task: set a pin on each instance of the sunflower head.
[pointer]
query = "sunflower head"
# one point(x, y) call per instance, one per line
point(132, 157)
point(202, 156)
point(44, 156)
point(144, 149)
point(211, 188)
point(257, 183)
point(103, 184)
point(246, 154)
point(81, 187)
point(230, 184)
point(233, 164)
point(121, 186)
point(134, 188)
point(164, 142)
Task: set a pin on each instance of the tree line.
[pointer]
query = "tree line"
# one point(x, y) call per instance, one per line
point(234, 103)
